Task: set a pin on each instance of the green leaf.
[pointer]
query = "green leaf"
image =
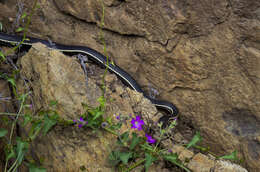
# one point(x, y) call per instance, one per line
point(24, 15)
point(53, 103)
point(102, 101)
point(146, 146)
point(171, 157)
point(149, 159)
point(125, 156)
point(9, 153)
point(12, 81)
point(3, 132)
point(35, 168)
point(36, 127)
point(21, 149)
point(22, 98)
point(194, 140)
point(1, 26)
point(114, 158)
point(123, 138)
point(112, 62)
point(2, 55)
point(116, 126)
point(19, 29)
point(27, 119)
point(232, 156)
point(98, 114)
point(49, 122)
point(135, 140)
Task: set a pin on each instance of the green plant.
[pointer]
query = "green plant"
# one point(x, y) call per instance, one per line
point(135, 149)
point(44, 121)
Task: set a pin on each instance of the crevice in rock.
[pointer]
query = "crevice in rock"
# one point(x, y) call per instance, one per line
point(113, 32)
point(96, 24)
point(189, 89)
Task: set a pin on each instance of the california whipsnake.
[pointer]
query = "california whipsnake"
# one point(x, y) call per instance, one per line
point(97, 57)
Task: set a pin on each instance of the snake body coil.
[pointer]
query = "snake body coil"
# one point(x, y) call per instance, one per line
point(97, 57)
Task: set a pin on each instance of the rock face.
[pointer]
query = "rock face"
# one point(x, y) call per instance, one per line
point(203, 56)
point(56, 77)
point(68, 148)
point(50, 75)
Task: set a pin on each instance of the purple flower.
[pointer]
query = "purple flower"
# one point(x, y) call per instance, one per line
point(104, 124)
point(81, 119)
point(81, 122)
point(150, 139)
point(117, 116)
point(137, 123)
point(169, 150)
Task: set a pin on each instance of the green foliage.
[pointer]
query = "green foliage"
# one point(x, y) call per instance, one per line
point(45, 121)
point(114, 158)
point(27, 118)
point(19, 29)
point(149, 159)
point(3, 132)
point(35, 129)
point(9, 152)
point(232, 156)
point(35, 168)
point(173, 158)
point(49, 122)
point(2, 56)
point(125, 156)
point(95, 118)
point(123, 139)
point(53, 103)
point(102, 102)
point(24, 15)
point(18, 152)
point(197, 138)
point(135, 141)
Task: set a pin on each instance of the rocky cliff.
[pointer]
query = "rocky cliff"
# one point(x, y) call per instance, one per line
point(201, 55)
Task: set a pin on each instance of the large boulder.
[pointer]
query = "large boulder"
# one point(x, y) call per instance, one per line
point(51, 76)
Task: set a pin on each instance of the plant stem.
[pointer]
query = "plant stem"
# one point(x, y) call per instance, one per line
point(183, 167)
point(13, 49)
point(135, 165)
point(26, 27)
point(10, 114)
point(111, 131)
point(104, 47)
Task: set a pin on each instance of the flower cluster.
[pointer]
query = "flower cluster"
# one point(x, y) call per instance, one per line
point(81, 122)
point(137, 124)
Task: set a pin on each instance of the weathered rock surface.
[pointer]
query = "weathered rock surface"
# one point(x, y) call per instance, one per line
point(58, 78)
point(70, 148)
point(203, 56)
point(50, 75)
point(203, 163)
